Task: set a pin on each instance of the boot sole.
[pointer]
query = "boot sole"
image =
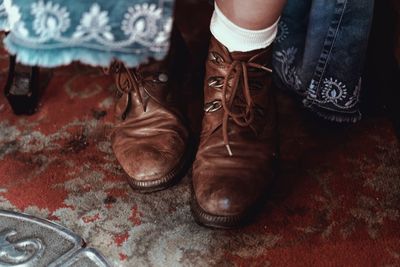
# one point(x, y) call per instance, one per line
point(235, 221)
point(167, 181)
point(216, 221)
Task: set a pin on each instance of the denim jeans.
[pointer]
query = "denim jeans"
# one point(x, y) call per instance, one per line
point(319, 54)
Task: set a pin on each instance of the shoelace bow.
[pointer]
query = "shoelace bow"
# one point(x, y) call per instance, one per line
point(132, 82)
point(125, 85)
point(239, 71)
point(136, 82)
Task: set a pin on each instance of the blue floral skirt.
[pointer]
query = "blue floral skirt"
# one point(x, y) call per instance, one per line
point(51, 33)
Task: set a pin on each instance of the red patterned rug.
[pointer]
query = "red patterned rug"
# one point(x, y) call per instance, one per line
point(336, 201)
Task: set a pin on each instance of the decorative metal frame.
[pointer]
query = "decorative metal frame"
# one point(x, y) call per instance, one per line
point(21, 246)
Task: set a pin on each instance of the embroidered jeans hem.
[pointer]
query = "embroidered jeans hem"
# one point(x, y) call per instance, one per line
point(332, 115)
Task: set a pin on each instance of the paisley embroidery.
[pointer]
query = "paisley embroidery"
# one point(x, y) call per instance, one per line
point(283, 32)
point(143, 25)
point(141, 21)
point(286, 68)
point(334, 92)
point(14, 19)
point(51, 20)
point(95, 24)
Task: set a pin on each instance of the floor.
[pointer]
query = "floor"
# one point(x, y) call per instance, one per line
point(336, 201)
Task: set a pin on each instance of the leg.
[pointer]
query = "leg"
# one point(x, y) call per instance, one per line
point(238, 145)
point(246, 25)
point(252, 14)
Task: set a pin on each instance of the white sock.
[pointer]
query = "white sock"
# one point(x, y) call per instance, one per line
point(238, 39)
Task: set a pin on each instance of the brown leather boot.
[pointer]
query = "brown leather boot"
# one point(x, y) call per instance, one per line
point(238, 145)
point(150, 139)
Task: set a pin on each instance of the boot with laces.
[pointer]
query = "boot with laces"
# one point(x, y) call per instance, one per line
point(150, 138)
point(238, 143)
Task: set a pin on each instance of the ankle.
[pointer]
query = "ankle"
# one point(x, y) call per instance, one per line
point(238, 39)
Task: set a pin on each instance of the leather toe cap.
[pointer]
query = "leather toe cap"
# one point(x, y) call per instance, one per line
point(228, 198)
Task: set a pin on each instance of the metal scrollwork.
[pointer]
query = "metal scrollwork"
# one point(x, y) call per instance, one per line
point(23, 252)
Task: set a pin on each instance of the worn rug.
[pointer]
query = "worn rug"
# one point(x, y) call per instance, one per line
point(335, 202)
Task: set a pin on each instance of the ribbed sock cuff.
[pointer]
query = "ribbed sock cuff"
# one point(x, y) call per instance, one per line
point(238, 39)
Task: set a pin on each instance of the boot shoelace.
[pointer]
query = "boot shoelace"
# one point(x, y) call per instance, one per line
point(239, 71)
point(136, 82)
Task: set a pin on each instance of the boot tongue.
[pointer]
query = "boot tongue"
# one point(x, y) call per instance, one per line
point(258, 56)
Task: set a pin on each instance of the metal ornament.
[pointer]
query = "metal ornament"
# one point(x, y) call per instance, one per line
point(27, 241)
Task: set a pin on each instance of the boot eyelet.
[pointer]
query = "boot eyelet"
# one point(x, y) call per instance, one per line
point(160, 77)
point(216, 58)
point(216, 82)
point(212, 106)
point(163, 77)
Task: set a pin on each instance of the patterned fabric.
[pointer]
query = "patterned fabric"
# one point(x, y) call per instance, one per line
point(320, 51)
point(55, 32)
